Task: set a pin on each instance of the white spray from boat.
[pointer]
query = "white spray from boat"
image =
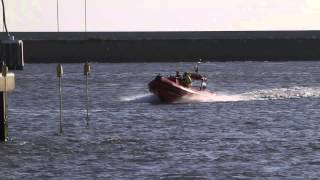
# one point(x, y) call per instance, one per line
point(139, 98)
point(265, 94)
point(256, 95)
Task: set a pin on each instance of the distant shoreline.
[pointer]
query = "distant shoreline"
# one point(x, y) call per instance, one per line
point(75, 47)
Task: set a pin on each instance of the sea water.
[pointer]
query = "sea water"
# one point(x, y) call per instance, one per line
point(263, 122)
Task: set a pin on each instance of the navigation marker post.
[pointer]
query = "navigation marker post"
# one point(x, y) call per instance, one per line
point(87, 71)
point(59, 75)
point(7, 83)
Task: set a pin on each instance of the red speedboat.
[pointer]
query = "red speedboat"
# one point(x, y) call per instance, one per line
point(172, 88)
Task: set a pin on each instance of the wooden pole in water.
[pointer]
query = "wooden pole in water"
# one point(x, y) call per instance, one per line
point(59, 75)
point(87, 71)
point(3, 119)
point(4, 74)
point(4, 107)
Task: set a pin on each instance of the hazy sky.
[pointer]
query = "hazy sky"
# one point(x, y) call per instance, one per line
point(164, 15)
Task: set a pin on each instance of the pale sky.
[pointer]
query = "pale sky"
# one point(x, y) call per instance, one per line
point(163, 15)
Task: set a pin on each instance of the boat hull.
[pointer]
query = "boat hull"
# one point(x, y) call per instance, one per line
point(169, 90)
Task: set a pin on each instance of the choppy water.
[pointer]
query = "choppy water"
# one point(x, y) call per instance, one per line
point(263, 123)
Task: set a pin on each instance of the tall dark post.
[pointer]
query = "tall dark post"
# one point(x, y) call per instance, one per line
point(3, 118)
point(3, 106)
point(11, 52)
point(87, 71)
point(59, 75)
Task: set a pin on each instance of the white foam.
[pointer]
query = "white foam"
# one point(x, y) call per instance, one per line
point(208, 97)
point(146, 97)
point(264, 94)
point(284, 93)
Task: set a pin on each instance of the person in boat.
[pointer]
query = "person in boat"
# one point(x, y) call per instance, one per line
point(178, 75)
point(186, 79)
point(199, 77)
point(203, 83)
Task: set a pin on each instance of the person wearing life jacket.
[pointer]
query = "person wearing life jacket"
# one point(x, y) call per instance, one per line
point(203, 83)
point(186, 79)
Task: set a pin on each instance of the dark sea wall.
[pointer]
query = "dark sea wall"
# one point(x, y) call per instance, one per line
point(73, 47)
point(73, 51)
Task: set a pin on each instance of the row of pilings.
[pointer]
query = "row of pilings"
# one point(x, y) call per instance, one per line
point(86, 72)
point(7, 83)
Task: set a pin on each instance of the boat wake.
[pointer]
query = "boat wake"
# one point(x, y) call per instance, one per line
point(284, 93)
point(264, 94)
point(140, 98)
point(209, 97)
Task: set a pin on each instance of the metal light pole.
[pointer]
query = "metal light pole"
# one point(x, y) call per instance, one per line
point(85, 15)
point(3, 28)
point(4, 19)
point(58, 25)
